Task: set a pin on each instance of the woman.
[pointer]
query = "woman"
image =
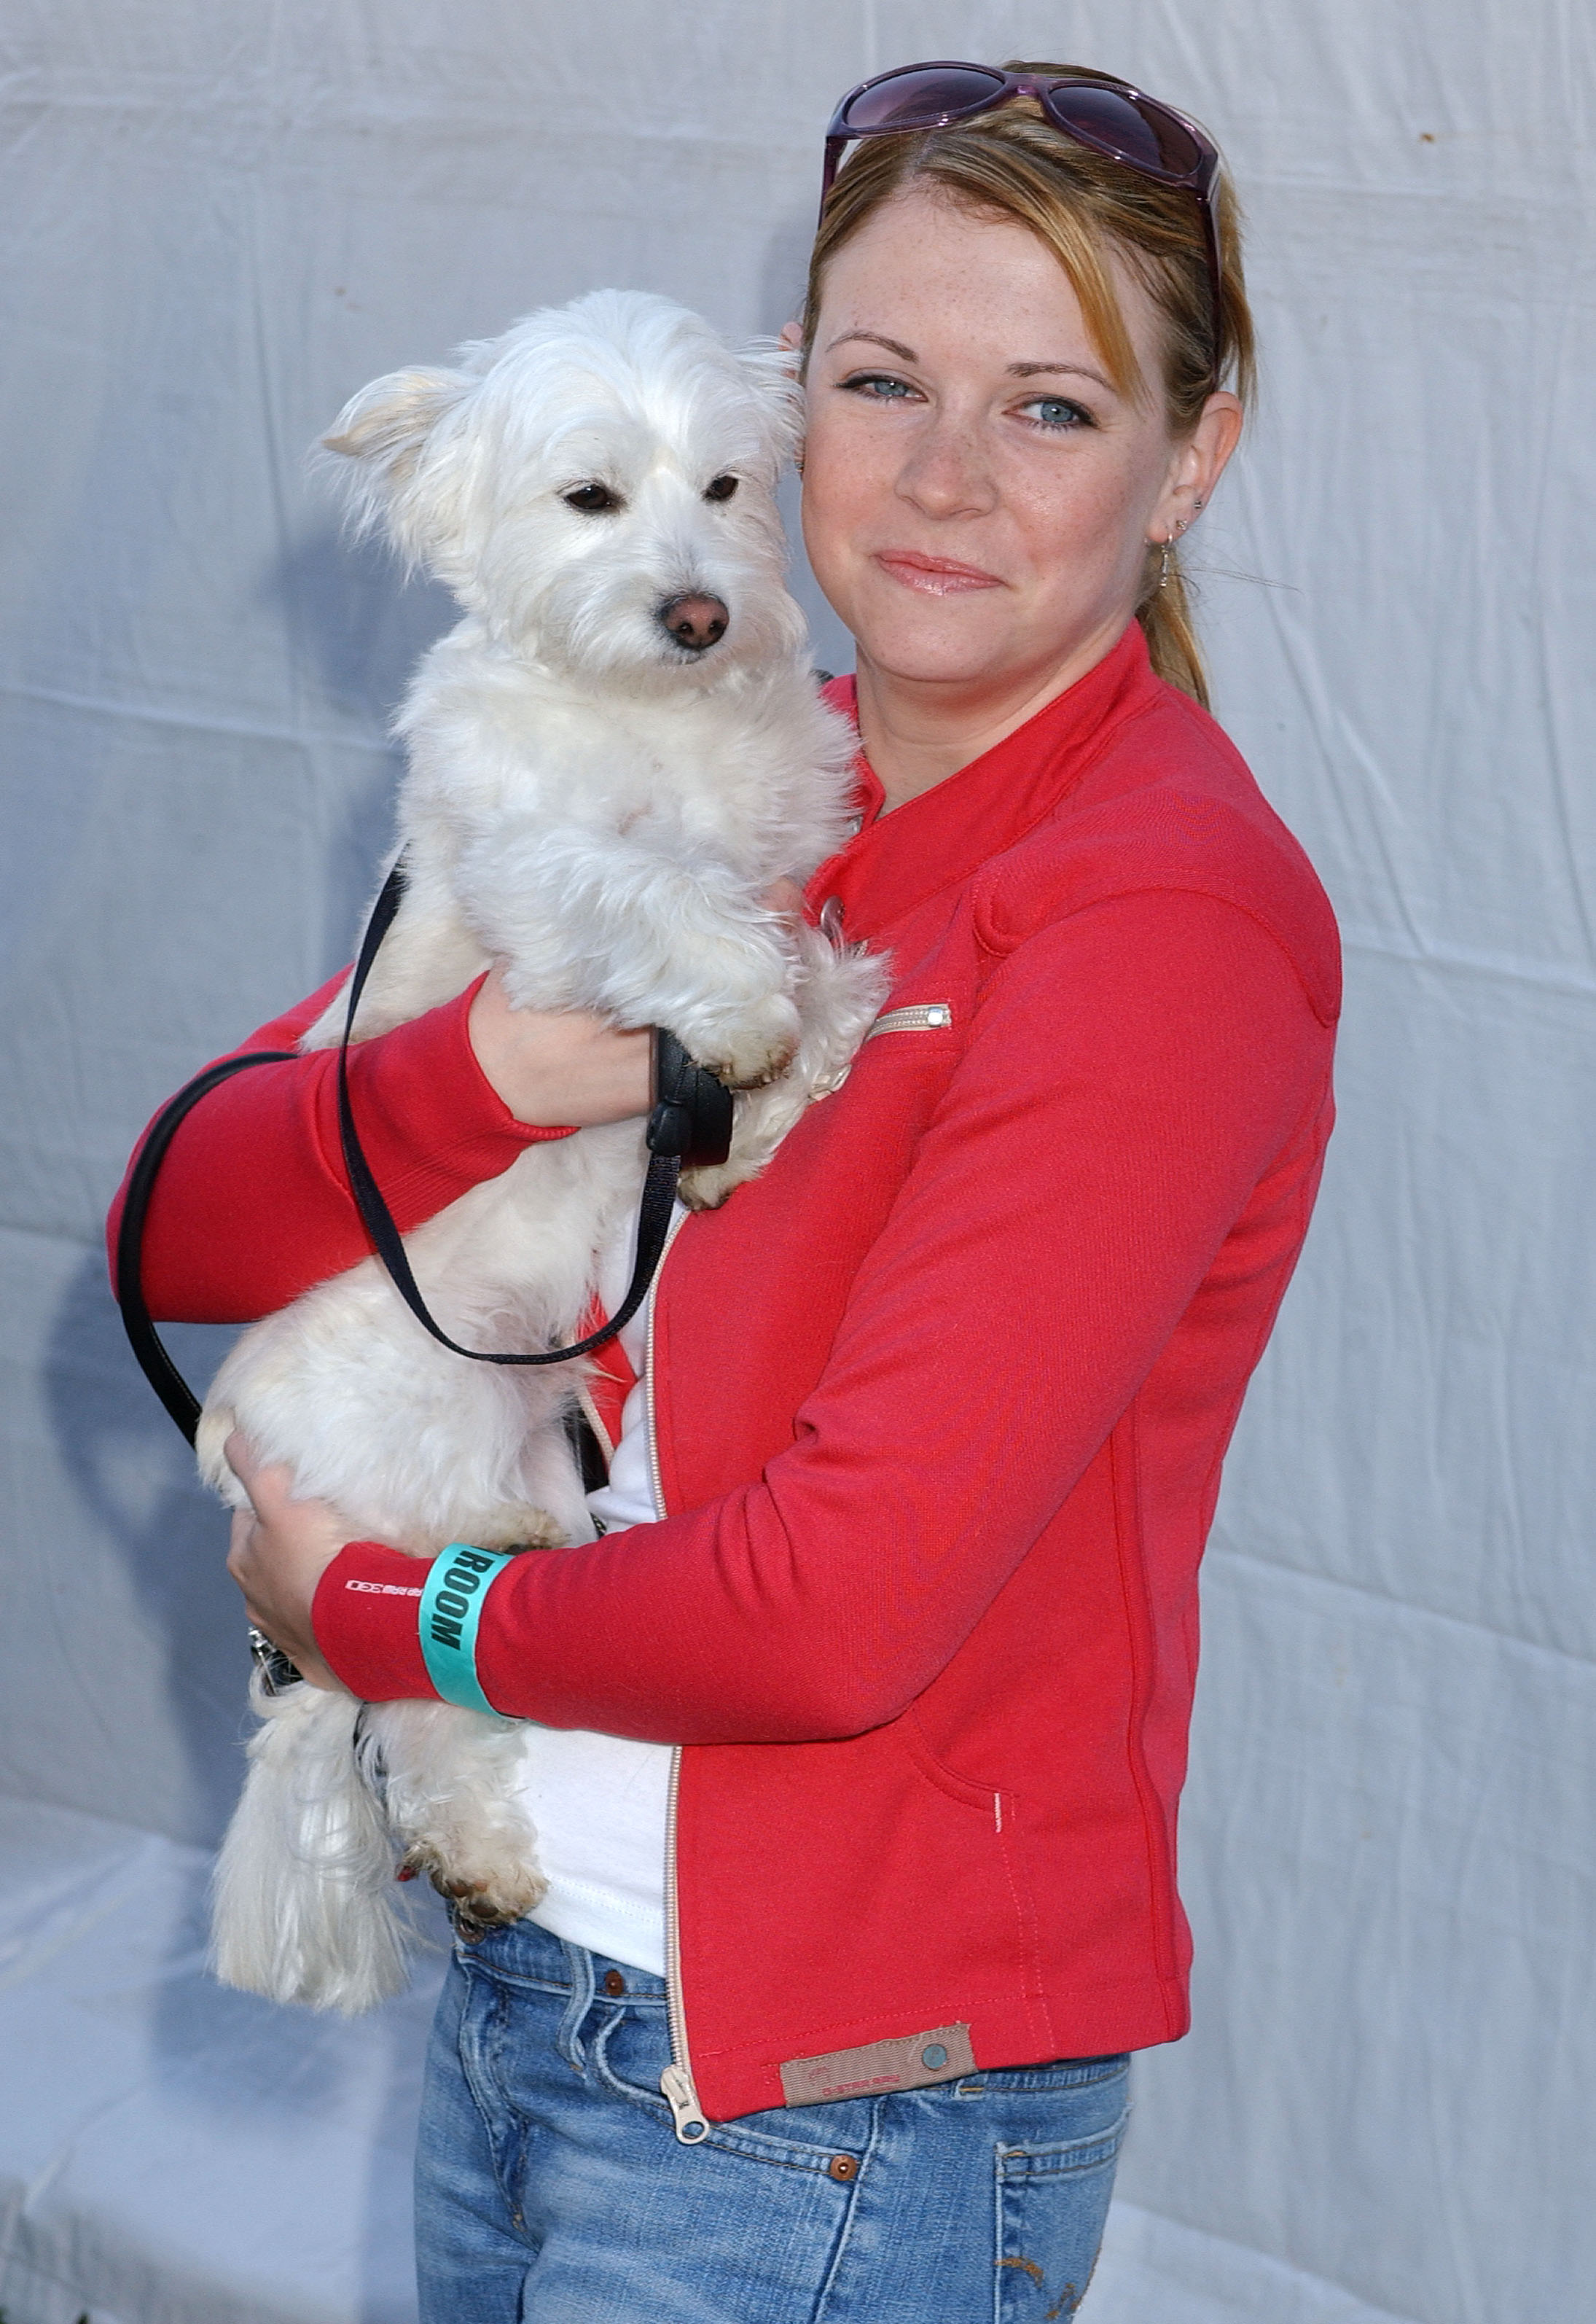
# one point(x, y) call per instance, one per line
point(869, 1710)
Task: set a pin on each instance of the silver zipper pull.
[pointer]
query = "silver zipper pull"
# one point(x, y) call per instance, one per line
point(914, 1017)
point(682, 2098)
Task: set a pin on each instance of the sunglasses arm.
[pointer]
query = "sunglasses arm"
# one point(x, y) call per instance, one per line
point(834, 145)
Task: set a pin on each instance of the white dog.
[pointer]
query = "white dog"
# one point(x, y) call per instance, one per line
point(612, 758)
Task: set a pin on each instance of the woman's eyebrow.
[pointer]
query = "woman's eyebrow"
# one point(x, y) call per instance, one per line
point(1034, 370)
point(892, 347)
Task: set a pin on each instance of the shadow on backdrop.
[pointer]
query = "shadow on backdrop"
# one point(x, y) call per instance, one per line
point(135, 1476)
point(212, 2051)
point(356, 627)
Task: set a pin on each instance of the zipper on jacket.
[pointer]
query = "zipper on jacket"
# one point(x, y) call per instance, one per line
point(916, 1016)
point(676, 2081)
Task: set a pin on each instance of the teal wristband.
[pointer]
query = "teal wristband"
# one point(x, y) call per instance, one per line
point(451, 1608)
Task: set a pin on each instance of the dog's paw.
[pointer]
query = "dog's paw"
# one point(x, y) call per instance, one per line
point(706, 1188)
point(483, 1896)
point(755, 1048)
point(519, 1526)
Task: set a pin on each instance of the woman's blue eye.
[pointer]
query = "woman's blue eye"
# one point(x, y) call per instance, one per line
point(878, 384)
point(1058, 412)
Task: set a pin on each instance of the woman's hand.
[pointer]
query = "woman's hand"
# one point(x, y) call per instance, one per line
point(559, 1069)
point(567, 1069)
point(280, 1549)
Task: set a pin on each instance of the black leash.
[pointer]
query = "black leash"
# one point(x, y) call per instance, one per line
point(689, 1128)
point(154, 1362)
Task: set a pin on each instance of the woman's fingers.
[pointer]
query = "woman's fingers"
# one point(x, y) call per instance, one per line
point(239, 1542)
point(278, 1551)
point(268, 1484)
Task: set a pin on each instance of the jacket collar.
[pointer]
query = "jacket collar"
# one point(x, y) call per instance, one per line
point(897, 861)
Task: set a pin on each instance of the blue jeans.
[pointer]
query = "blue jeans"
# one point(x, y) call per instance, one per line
point(552, 2190)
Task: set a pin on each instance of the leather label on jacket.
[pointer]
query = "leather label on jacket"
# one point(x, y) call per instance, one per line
point(910, 2063)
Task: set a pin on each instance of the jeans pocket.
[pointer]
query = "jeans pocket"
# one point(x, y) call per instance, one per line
point(1051, 2203)
point(627, 2052)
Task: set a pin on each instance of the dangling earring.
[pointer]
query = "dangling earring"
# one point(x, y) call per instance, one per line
point(1166, 545)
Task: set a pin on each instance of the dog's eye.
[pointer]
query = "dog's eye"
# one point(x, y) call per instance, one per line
point(593, 500)
point(721, 489)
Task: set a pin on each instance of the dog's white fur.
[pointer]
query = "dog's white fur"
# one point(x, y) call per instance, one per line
point(601, 809)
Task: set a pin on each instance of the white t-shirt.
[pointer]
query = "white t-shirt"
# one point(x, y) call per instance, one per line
point(599, 1803)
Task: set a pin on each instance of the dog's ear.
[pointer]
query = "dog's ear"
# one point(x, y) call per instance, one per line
point(771, 368)
point(396, 433)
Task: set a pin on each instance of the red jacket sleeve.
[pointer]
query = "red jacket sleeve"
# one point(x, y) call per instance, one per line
point(252, 1206)
point(1132, 1072)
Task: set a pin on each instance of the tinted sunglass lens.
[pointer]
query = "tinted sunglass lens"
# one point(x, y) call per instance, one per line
point(918, 98)
point(1152, 141)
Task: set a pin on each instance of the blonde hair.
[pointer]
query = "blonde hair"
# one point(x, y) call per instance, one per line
point(1013, 163)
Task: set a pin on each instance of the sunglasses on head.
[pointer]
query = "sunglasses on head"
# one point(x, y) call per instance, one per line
point(1094, 109)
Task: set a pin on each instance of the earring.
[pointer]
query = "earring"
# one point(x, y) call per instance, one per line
point(1166, 545)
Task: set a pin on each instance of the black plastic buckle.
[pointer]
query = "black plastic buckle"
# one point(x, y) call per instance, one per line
point(691, 1116)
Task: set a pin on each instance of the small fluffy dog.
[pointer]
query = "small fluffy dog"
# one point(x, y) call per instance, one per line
point(610, 759)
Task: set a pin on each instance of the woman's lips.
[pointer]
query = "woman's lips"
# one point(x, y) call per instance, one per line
point(934, 577)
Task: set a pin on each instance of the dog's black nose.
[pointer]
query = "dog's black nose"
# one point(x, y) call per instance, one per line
point(695, 622)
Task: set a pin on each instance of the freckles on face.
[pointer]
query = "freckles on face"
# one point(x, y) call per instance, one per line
point(977, 493)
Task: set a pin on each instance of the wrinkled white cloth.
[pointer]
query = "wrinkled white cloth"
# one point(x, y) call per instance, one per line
point(599, 1803)
point(215, 223)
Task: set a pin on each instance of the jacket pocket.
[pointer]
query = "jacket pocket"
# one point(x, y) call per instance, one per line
point(985, 1803)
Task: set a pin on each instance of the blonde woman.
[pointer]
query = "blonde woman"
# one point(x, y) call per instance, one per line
point(868, 1710)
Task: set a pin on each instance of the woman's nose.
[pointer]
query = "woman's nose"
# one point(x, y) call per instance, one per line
point(949, 472)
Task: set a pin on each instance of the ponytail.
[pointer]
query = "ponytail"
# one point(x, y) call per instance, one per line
point(1165, 616)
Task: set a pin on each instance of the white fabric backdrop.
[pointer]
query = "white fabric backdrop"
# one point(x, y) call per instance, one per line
point(217, 219)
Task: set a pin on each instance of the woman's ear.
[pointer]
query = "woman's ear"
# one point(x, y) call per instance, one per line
point(1196, 467)
point(790, 335)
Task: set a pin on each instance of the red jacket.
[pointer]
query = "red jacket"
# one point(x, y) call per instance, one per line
point(940, 1405)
